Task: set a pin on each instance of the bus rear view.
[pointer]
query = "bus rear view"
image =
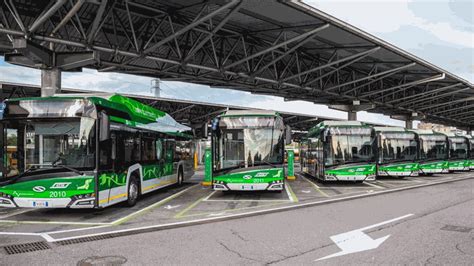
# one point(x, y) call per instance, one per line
point(248, 151)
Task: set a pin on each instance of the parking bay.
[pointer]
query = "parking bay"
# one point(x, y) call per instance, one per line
point(175, 206)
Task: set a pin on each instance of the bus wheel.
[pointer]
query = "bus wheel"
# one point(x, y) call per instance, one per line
point(132, 192)
point(180, 176)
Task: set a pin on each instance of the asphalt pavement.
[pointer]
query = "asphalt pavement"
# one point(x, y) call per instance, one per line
point(438, 229)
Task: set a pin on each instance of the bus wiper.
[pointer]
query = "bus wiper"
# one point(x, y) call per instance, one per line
point(269, 163)
point(14, 179)
point(68, 168)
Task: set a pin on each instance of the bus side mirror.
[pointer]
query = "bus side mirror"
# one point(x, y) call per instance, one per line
point(104, 127)
point(204, 131)
point(288, 135)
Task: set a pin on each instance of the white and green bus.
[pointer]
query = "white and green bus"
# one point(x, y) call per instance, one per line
point(88, 151)
point(471, 152)
point(340, 151)
point(397, 152)
point(433, 152)
point(458, 152)
point(248, 151)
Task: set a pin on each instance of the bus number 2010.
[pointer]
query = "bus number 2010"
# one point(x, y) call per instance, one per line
point(57, 194)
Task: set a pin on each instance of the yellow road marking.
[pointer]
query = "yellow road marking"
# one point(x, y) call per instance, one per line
point(316, 187)
point(157, 204)
point(190, 207)
point(292, 195)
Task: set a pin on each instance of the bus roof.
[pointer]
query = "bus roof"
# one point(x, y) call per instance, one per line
point(141, 115)
point(425, 132)
point(390, 129)
point(253, 112)
point(454, 135)
point(334, 123)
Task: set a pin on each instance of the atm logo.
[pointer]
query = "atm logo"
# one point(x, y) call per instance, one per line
point(39, 189)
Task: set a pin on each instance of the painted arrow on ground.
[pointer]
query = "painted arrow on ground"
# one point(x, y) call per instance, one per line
point(357, 241)
point(169, 207)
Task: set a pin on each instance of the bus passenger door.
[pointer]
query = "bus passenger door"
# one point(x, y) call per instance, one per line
point(171, 165)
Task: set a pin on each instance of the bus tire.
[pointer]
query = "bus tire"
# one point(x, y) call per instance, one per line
point(180, 176)
point(133, 191)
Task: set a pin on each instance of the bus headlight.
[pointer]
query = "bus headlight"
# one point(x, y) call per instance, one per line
point(83, 196)
point(7, 196)
point(83, 201)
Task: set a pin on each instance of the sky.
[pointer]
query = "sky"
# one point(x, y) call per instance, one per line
point(439, 31)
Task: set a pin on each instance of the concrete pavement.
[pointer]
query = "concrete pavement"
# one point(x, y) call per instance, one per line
point(440, 232)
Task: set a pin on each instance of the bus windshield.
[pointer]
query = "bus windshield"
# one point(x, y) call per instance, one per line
point(249, 141)
point(458, 148)
point(343, 149)
point(433, 148)
point(397, 147)
point(46, 144)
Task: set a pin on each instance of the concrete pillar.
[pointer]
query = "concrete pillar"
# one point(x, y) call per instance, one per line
point(352, 116)
point(50, 82)
point(352, 109)
point(409, 124)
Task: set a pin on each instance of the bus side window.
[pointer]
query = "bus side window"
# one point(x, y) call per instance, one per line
point(148, 149)
point(107, 153)
point(170, 150)
point(159, 149)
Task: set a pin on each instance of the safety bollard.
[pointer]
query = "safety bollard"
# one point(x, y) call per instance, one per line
point(195, 160)
point(207, 168)
point(291, 165)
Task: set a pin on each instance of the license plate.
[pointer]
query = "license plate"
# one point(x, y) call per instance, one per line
point(40, 204)
point(400, 173)
point(248, 187)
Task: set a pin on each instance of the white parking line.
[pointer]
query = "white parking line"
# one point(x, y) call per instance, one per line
point(15, 212)
point(48, 238)
point(373, 185)
point(48, 222)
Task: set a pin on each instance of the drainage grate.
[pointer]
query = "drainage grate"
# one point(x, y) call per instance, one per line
point(83, 239)
point(25, 248)
point(455, 228)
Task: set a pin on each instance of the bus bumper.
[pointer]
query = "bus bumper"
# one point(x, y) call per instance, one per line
point(248, 187)
point(389, 173)
point(73, 203)
point(432, 171)
point(458, 168)
point(349, 177)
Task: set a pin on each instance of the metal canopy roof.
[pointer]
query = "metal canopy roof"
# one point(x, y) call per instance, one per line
point(191, 113)
point(282, 48)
